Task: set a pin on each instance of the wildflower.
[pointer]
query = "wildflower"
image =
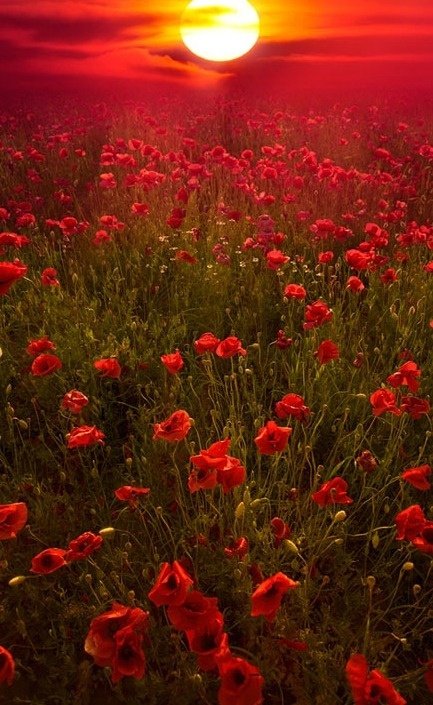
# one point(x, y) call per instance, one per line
point(295, 291)
point(417, 477)
point(84, 436)
point(109, 367)
point(316, 314)
point(13, 518)
point(266, 599)
point(280, 529)
point(327, 351)
point(407, 375)
point(130, 494)
point(207, 342)
point(45, 364)
point(194, 613)
point(229, 347)
point(239, 548)
point(40, 345)
point(272, 439)
point(276, 259)
point(383, 400)
point(415, 406)
point(48, 561)
point(241, 682)
point(369, 688)
point(49, 277)
point(115, 640)
point(366, 461)
point(74, 401)
point(332, 492)
point(83, 546)
point(409, 523)
point(171, 585)
point(355, 284)
point(292, 405)
point(173, 362)
point(175, 428)
point(10, 272)
point(209, 642)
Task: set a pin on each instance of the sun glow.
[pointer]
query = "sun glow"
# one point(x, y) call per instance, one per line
point(220, 31)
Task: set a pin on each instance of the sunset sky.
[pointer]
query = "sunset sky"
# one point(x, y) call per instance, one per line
point(48, 43)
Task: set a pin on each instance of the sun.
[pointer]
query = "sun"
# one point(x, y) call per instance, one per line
point(220, 30)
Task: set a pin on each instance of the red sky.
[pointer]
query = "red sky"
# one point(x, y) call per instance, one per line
point(305, 45)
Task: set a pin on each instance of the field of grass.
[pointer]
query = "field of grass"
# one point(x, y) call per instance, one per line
point(265, 569)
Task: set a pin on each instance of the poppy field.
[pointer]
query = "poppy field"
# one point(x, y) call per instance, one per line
point(216, 325)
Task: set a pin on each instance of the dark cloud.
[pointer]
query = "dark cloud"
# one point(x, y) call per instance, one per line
point(12, 53)
point(48, 29)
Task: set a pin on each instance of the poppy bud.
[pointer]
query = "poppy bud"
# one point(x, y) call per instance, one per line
point(370, 582)
point(407, 567)
point(290, 546)
point(340, 516)
point(18, 580)
point(108, 531)
point(240, 510)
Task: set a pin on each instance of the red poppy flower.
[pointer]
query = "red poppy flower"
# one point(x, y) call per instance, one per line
point(332, 492)
point(280, 529)
point(13, 518)
point(49, 277)
point(283, 342)
point(109, 367)
point(272, 439)
point(357, 259)
point(370, 688)
point(424, 541)
point(194, 613)
point(175, 428)
point(83, 546)
point(74, 401)
point(292, 405)
point(209, 642)
point(10, 272)
point(130, 494)
point(185, 256)
point(409, 523)
point(45, 364)
point(232, 474)
point(316, 314)
point(415, 406)
point(35, 347)
point(241, 683)
point(128, 658)
point(85, 436)
point(171, 585)
point(173, 362)
point(238, 548)
point(100, 237)
point(406, 375)
point(207, 342)
point(229, 347)
point(355, 284)
point(266, 599)
point(276, 259)
point(417, 477)
point(325, 257)
point(110, 640)
point(202, 479)
point(327, 351)
point(48, 561)
point(295, 291)
point(366, 461)
point(7, 666)
point(383, 400)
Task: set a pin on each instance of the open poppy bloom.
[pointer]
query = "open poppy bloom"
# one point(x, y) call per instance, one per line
point(173, 362)
point(13, 518)
point(266, 599)
point(173, 429)
point(332, 492)
point(370, 688)
point(109, 367)
point(48, 561)
point(10, 272)
point(45, 364)
point(407, 375)
point(130, 494)
point(417, 477)
point(194, 613)
point(383, 400)
point(272, 438)
point(74, 401)
point(241, 682)
point(81, 436)
point(171, 585)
